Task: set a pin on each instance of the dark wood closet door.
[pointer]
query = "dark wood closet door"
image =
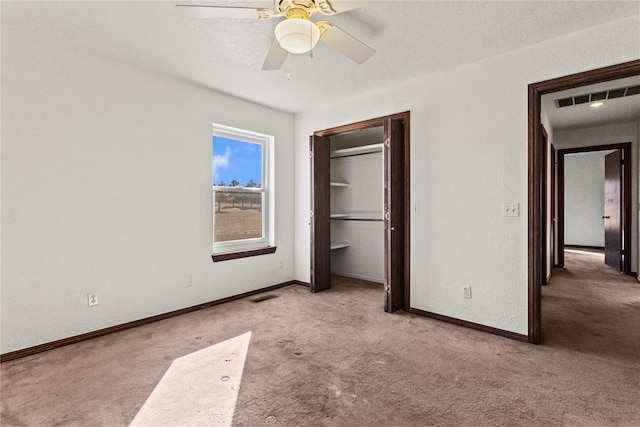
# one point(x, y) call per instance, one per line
point(394, 215)
point(320, 214)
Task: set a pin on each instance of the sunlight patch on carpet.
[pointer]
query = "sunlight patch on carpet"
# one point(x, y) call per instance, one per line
point(199, 389)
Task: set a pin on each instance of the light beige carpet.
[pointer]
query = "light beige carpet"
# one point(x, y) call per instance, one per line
point(336, 359)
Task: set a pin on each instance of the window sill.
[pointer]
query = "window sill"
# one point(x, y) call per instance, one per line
point(243, 254)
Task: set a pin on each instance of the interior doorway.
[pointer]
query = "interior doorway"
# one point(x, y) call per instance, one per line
point(392, 211)
point(616, 206)
point(537, 172)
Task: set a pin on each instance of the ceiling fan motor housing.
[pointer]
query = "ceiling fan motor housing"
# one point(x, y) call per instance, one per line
point(286, 5)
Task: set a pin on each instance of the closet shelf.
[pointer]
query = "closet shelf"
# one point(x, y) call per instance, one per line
point(363, 149)
point(339, 184)
point(339, 245)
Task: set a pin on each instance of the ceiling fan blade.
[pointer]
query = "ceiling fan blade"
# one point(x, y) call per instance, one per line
point(223, 12)
point(346, 44)
point(275, 58)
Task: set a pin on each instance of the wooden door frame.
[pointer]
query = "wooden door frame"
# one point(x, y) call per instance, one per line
point(536, 169)
point(394, 185)
point(625, 147)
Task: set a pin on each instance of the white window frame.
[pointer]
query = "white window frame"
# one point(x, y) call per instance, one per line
point(267, 191)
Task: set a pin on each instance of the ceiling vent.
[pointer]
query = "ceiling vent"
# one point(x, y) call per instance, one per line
point(598, 96)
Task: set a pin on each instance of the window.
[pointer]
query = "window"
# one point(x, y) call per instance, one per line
point(242, 193)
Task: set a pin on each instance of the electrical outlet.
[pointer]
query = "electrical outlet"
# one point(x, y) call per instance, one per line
point(280, 263)
point(92, 299)
point(511, 209)
point(467, 292)
point(188, 281)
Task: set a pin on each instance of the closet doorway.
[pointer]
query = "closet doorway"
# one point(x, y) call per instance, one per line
point(360, 192)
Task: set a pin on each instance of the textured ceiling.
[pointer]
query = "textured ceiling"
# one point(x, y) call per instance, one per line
point(412, 38)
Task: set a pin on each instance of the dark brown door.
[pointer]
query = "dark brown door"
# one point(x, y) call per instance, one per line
point(394, 215)
point(320, 220)
point(613, 210)
point(543, 189)
point(552, 233)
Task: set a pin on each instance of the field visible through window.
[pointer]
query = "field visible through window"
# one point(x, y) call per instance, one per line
point(238, 216)
point(238, 178)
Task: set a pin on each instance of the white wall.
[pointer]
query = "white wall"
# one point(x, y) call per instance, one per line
point(364, 258)
point(364, 176)
point(106, 187)
point(468, 156)
point(584, 199)
point(610, 134)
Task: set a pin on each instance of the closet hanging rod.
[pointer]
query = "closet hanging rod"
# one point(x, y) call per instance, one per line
point(357, 151)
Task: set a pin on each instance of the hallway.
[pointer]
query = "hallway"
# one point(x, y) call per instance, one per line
point(590, 308)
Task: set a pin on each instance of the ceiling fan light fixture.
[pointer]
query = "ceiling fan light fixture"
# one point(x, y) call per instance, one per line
point(297, 35)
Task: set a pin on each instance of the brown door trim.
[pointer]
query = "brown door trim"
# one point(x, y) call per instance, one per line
point(536, 168)
point(365, 124)
point(626, 198)
point(397, 185)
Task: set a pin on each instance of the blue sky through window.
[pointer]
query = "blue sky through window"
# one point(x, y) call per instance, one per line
point(234, 159)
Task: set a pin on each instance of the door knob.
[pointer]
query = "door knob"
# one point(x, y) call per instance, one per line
point(605, 217)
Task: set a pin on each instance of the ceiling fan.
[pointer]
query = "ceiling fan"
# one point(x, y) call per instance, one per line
point(297, 33)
